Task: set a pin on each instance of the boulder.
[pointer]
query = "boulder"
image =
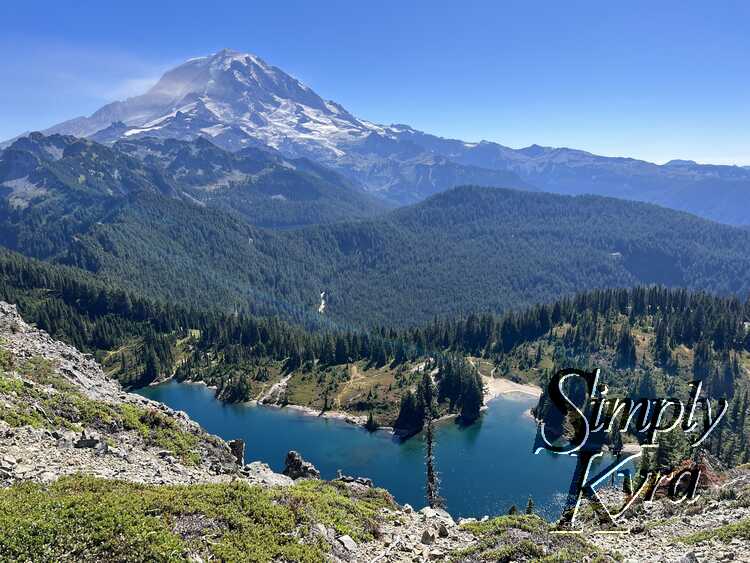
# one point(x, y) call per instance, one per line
point(238, 450)
point(437, 514)
point(89, 439)
point(428, 536)
point(348, 543)
point(297, 468)
point(349, 479)
point(261, 473)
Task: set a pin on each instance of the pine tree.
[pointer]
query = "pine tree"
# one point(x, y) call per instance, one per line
point(626, 354)
point(371, 425)
point(472, 397)
point(671, 451)
point(434, 500)
point(530, 506)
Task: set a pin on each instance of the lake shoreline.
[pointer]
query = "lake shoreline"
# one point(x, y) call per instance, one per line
point(493, 388)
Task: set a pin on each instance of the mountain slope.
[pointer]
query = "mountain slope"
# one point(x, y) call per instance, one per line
point(238, 100)
point(468, 249)
point(482, 249)
point(260, 185)
point(80, 178)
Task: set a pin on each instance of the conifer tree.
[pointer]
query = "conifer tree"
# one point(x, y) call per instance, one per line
point(530, 506)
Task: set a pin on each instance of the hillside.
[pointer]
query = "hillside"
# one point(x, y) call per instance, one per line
point(467, 250)
point(116, 465)
point(258, 184)
point(649, 341)
point(475, 249)
point(80, 181)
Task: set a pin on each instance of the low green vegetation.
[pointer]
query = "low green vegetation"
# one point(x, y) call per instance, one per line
point(738, 530)
point(81, 518)
point(523, 538)
point(35, 395)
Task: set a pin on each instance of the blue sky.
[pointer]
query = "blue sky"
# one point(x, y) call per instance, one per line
point(653, 80)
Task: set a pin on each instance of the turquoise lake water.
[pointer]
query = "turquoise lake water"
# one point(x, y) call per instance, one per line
point(484, 468)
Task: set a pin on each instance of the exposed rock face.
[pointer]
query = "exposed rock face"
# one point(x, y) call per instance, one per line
point(297, 468)
point(238, 450)
point(364, 481)
point(109, 450)
point(261, 474)
point(26, 342)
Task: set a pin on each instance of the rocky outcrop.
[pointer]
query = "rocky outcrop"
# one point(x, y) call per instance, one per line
point(296, 467)
point(364, 481)
point(237, 447)
point(81, 421)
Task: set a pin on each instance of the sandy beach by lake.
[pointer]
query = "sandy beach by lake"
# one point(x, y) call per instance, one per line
point(494, 387)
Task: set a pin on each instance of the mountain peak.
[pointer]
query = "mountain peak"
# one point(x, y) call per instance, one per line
point(234, 98)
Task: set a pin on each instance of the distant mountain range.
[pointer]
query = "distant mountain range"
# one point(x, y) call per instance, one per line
point(238, 100)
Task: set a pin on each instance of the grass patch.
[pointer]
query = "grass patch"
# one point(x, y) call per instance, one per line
point(523, 538)
point(81, 518)
point(47, 400)
point(739, 530)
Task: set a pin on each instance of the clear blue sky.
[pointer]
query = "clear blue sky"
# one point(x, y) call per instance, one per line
point(654, 80)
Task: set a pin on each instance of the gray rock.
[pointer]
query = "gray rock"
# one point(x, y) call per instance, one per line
point(437, 514)
point(428, 536)
point(238, 450)
point(89, 439)
point(261, 473)
point(297, 468)
point(7, 462)
point(23, 470)
point(348, 543)
point(356, 480)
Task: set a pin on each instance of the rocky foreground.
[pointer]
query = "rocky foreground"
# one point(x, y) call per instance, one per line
point(90, 473)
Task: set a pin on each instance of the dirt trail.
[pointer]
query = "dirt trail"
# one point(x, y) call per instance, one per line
point(273, 394)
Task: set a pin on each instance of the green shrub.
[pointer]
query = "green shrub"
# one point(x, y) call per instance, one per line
point(84, 519)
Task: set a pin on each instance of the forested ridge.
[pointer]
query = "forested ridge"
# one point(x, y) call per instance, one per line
point(167, 219)
point(467, 250)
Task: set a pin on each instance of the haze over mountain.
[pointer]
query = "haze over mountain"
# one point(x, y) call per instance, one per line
point(238, 100)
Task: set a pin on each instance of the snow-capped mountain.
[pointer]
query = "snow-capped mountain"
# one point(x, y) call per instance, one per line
point(237, 100)
point(234, 98)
